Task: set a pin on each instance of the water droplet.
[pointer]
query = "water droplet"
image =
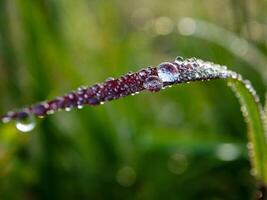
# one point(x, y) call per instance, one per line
point(81, 88)
point(129, 73)
point(80, 106)
point(110, 79)
point(153, 84)
point(179, 58)
point(26, 124)
point(167, 72)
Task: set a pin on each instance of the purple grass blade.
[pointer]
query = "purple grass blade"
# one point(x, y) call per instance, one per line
point(151, 78)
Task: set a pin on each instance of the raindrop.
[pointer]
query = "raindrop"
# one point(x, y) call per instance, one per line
point(26, 124)
point(153, 84)
point(167, 72)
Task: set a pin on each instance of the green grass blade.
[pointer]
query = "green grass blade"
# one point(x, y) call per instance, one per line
point(255, 119)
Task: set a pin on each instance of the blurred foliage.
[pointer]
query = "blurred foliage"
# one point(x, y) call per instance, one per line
point(187, 142)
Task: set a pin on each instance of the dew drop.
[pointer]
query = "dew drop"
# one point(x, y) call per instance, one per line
point(80, 106)
point(153, 84)
point(179, 58)
point(110, 79)
point(167, 72)
point(26, 124)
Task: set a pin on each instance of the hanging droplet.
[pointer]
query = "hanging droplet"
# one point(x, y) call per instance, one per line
point(167, 72)
point(26, 124)
point(153, 84)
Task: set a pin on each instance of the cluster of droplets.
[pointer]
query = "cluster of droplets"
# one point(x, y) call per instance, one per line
point(151, 78)
point(185, 71)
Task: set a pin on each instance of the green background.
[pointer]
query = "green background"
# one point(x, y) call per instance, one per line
point(185, 142)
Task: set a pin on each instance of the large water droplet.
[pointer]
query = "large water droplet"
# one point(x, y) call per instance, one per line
point(153, 84)
point(26, 124)
point(167, 72)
